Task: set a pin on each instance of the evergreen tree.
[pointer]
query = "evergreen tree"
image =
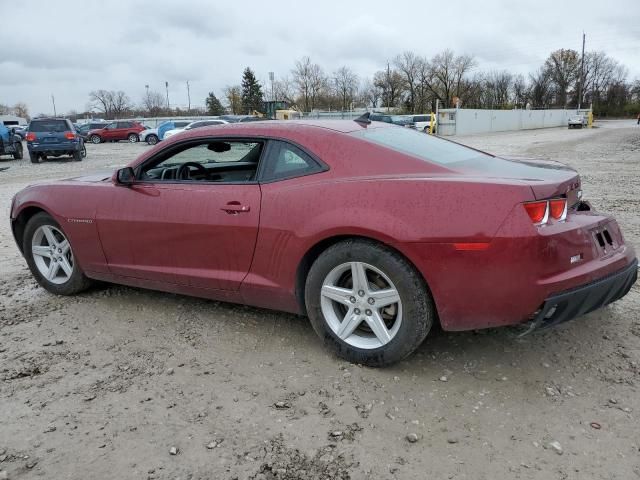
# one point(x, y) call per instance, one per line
point(251, 92)
point(214, 107)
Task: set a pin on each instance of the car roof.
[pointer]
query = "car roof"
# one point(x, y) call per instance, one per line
point(343, 126)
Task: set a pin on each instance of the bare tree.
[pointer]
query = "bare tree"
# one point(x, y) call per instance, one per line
point(346, 84)
point(120, 103)
point(4, 109)
point(233, 94)
point(153, 103)
point(497, 89)
point(391, 84)
point(541, 88)
point(310, 81)
point(370, 94)
point(284, 90)
point(520, 92)
point(112, 103)
point(20, 109)
point(448, 74)
point(562, 66)
point(101, 100)
point(408, 64)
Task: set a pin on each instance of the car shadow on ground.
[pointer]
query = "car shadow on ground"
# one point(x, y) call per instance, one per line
point(498, 352)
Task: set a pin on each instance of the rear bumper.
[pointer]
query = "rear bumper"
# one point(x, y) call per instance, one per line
point(54, 148)
point(581, 300)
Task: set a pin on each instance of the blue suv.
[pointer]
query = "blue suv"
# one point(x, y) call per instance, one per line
point(54, 137)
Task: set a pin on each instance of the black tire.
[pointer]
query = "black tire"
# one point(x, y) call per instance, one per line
point(34, 157)
point(77, 156)
point(133, 138)
point(417, 303)
point(95, 139)
point(19, 152)
point(152, 139)
point(76, 283)
point(83, 151)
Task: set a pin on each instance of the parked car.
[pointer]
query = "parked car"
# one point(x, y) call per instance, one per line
point(439, 233)
point(577, 121)
point(84, 129)
point(20, 130)
point(54, 137)
point(116, 131)
point(422, 122)
point(10, 142)
point(154, 135)
point(192, 125)
point(402, 120)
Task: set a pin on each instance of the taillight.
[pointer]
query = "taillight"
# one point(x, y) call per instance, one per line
point(538, 212)
point(558, 208)
point(69, 135)
point(30, 137)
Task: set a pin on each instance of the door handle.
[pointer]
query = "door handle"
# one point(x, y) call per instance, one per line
point(233, 208)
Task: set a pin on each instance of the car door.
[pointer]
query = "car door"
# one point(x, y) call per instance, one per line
point(195, 232)
point(122, 130)
point(108, 133)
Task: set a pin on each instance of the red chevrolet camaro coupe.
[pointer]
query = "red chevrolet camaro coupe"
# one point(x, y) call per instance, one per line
point(374, 231)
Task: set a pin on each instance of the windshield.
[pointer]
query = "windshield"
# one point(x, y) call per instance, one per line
point(419, 145)
point(48, 126)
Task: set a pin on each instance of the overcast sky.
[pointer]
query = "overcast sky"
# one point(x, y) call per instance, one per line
point(72, 47)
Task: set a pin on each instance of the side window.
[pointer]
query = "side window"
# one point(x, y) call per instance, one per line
point(286, 161)
point(206, 161)
point(124, 125)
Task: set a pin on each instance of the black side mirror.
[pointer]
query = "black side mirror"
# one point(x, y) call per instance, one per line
point(125, 176)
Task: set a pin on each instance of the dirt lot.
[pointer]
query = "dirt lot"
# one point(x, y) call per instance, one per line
point(107, 384)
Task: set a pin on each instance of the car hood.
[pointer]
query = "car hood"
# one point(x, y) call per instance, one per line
point(148, 131)
point(93, 177)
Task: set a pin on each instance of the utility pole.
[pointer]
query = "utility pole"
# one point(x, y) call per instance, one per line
point(272, 109)
point(188, 98)
point(166, 86)
point(53, 100)
point(581, 74)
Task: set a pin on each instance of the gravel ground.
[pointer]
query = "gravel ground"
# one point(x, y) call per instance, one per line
point(127, 383)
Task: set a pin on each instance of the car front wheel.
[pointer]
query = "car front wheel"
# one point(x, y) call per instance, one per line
point(50, 257)
point(368, 303)
point(133, 138)
point(95, 139)
point(152, 139)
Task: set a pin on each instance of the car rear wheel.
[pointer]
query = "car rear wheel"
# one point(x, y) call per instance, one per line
point(152, 139)
point(77, 156)
point(368, 303)
point(133, 138)
point(95, 139)
point(18, 154)
point(50, 258)
point(34, 157)
point(83, 151)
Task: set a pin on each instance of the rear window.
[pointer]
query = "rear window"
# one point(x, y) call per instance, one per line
point(49, 126)
point(419, 145)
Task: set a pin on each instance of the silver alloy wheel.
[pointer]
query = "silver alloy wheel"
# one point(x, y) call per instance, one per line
point(361, 305)
point(152, 139)
point(133, 138)
point(95, 139)
point(52, 254)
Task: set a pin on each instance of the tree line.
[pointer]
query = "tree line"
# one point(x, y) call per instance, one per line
point(407, 83)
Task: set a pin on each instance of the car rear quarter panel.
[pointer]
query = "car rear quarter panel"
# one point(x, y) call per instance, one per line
point(298, 214)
